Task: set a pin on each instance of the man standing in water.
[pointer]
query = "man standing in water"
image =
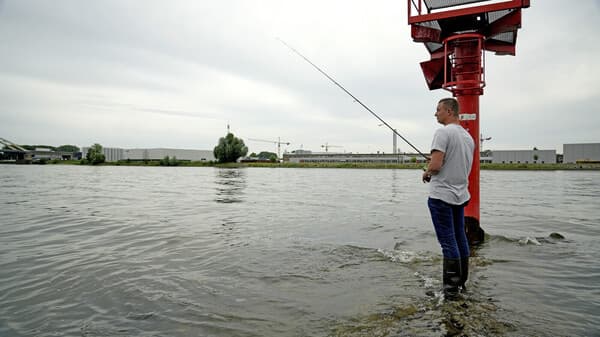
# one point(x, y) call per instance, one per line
point(448, 171)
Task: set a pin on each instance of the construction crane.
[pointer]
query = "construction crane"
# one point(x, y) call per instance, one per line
point(327, 146)
point(481, 140)
point(278, 142)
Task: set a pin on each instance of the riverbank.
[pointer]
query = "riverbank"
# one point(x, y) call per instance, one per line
point(409, 166)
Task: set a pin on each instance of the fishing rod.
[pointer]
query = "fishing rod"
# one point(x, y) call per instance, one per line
point(355, 99)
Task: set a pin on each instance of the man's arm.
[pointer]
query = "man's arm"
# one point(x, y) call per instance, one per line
point(434, 166)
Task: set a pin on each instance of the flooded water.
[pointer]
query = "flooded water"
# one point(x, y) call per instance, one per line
point(141, 251)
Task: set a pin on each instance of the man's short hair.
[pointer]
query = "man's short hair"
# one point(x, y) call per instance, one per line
point(451, 103)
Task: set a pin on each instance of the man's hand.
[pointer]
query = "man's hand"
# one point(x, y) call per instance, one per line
point(426, 177)
point(434, 165)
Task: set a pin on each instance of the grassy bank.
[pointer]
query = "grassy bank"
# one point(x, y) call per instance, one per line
point(484, 166)
point(410, 166)
point(541, 167)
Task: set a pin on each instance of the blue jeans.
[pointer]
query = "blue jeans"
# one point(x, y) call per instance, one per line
point(449, 223)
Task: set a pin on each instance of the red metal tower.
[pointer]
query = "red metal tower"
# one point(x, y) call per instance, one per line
point(457, 33)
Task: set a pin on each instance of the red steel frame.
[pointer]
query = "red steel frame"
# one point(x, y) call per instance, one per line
point(420, 17)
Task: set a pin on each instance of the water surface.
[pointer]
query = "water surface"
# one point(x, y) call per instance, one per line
point(143, 251)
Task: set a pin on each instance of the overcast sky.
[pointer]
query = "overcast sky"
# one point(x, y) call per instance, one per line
point(173, 74)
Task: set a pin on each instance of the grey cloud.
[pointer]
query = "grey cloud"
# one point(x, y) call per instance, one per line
point(124, 107)
point(158, 59)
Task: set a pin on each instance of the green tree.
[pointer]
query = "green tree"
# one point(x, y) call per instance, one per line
point(33, 147)
point(229, 149)
point(166, 161)
point(68, 148)
point(268, 156)
point(94, 155)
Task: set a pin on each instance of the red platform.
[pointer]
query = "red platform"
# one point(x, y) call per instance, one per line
point(433, 21)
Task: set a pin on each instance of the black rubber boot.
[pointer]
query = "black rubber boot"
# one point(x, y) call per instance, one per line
point(451, 277)
point(464, 273)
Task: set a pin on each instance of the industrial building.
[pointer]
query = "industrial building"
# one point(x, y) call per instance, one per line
point(329, 157)
point(584, 152)
point(158, 154)
point(113, 154)
point(499, 156)
point(524, 156)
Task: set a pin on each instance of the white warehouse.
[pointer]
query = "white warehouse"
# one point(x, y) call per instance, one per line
point(113, 154)
point(524, 156)
point(329, 157)
point(158, 154)
point(110, 153)
point(573, 153)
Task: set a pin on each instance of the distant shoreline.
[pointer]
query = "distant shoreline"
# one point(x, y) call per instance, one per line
point(408, 166)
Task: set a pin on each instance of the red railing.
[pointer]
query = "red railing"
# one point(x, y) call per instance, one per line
point(466, 56)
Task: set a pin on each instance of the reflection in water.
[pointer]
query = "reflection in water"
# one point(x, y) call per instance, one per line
point(230, 185)
point(394, 185)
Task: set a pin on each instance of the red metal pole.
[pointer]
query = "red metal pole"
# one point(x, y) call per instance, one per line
point(468, 75)
point(469, 104)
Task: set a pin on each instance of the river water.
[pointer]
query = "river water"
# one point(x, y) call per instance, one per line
point(170, 251)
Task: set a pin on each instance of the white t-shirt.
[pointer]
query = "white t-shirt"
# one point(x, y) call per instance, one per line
point(452, 182)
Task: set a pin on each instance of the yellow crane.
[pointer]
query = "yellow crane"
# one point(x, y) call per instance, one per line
point(327, 146)
point(278, 142)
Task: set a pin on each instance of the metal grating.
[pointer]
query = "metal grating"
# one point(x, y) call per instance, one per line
point(433, 46)
point(437, 4)
point(493, 16)
point(508, 37)
point(431, 24)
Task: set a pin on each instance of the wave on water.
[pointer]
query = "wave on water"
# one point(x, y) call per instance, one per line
point(552, 238)
point(529, 241)
point(407, 257)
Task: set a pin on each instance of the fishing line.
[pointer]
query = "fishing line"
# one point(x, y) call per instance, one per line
point(355, 99)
